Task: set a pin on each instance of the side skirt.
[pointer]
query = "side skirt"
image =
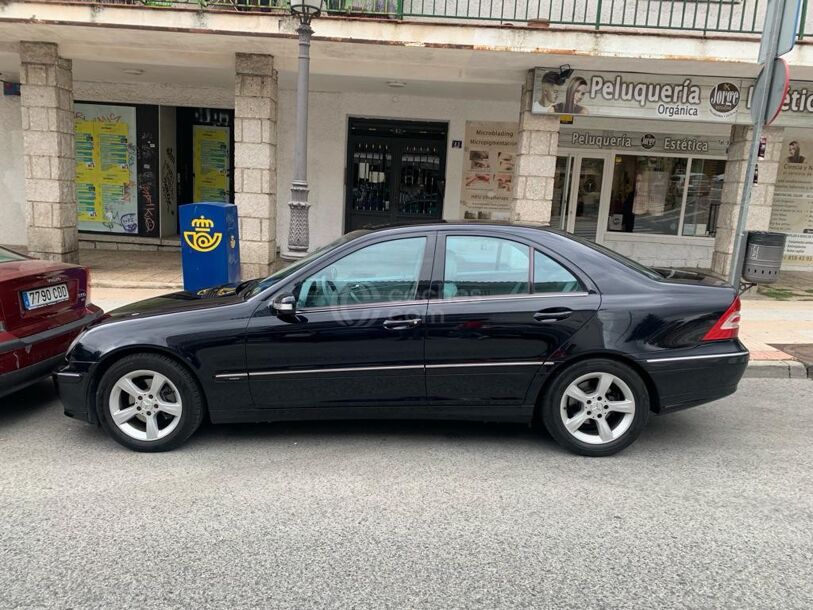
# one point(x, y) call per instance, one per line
point(514, 413)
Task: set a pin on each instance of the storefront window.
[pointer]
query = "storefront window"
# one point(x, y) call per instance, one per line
point(647, 194)
point(703, 196)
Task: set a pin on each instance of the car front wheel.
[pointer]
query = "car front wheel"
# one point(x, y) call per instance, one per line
point(596, 407)
point(149, 402)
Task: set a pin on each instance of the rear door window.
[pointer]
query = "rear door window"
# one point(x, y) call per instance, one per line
point(550, 276)
point(479, 266)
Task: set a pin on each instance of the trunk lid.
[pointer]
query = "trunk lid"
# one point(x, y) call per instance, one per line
point(684, 276)
point(17, 277)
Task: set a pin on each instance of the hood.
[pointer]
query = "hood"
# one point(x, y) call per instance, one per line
point(217, 296)
point(684, 276)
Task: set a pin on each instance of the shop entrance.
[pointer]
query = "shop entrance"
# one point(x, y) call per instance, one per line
point(580, 192)
point(396, 172)
point(205, 155)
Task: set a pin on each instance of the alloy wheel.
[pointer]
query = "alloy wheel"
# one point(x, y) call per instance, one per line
point(597, 408)
point(145, 405)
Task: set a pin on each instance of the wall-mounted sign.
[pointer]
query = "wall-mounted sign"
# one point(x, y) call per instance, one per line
point(641, 141)
point(489, 156)
point(792, 210)
point(660, 96)
point(105, 149)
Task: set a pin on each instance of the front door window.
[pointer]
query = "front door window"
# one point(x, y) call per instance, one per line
point(382, 272)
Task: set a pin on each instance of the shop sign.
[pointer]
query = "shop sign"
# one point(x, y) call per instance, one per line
point(489, 156)
point(792, 209)
point(705, 99)
point(105, 150)
point(643, 142)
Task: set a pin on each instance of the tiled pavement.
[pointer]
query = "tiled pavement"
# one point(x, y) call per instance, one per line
point(133, 269)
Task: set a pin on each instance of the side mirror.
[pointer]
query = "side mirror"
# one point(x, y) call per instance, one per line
point(284, 305)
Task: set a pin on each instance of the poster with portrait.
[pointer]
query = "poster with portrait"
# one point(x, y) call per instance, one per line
point(792, 210)
point(106, 175)
point(488, 170)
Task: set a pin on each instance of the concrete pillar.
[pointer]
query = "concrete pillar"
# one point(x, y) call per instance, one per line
point(255, 161)
point(46, 98)
point(536, 161)
point(759, 211)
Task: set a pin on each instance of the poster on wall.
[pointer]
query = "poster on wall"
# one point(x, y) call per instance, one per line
point(105, 148)
point(488, 170)
point(707, 99)
point(792, 210)
point(211, 159)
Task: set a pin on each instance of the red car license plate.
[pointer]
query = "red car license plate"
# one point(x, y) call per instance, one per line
point(41, 297)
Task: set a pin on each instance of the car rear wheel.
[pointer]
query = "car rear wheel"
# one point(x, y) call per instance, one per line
point(149, 402)
point(596, 407)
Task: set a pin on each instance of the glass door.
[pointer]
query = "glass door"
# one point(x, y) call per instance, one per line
point(561, 192)
point(586, 201)
point(396, 172)
point(578, 194)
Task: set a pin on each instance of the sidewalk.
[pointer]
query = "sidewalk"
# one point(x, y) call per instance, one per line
point(765, 324)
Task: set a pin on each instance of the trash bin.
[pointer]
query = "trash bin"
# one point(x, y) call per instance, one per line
point(210, 245)
point(763, 257)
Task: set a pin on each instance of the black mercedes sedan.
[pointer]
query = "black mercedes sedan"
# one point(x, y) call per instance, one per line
point(441, 321)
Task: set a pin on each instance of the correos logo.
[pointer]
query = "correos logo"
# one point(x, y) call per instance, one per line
point(201, 238)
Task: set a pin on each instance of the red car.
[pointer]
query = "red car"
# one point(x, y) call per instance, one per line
point(44, 305)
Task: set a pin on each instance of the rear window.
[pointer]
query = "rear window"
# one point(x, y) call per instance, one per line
point(627, 262)
point(7, 256)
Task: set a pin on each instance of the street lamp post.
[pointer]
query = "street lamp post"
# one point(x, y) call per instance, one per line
point(298, 229)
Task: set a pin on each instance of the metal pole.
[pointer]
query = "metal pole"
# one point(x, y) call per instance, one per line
point(298, 230)
point(770, 38)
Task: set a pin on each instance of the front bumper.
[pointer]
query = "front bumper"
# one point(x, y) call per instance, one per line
point(691, 380)
point(72, 387)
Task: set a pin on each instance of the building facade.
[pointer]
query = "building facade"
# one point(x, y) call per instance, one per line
point(622, 124)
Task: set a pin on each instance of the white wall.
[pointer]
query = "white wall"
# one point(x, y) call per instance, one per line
point(327, 147)
point(13, 230)
point(693, 252)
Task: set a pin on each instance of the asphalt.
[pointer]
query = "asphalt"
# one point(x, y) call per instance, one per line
point(710, 508)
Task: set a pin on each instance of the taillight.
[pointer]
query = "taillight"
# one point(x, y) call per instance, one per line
point(728, 326)
point(87, 287)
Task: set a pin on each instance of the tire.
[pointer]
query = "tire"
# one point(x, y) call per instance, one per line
point(597, 425)
point(140, 420)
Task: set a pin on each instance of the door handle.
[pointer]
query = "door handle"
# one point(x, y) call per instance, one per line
point(554, 314)
point(402, 323)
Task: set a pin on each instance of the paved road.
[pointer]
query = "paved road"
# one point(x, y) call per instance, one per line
point(712, 507)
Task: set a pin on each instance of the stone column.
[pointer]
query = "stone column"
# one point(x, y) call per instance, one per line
point(759, 210)
point(536, 161)
point(255, 161)
point(46, 97)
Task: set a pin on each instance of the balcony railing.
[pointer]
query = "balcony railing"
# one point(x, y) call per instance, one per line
point(702, 16)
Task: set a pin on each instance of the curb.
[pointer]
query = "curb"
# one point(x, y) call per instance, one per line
point(777, 369)
point(137, 285)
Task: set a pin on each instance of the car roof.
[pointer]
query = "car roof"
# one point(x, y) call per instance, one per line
point(446, 225)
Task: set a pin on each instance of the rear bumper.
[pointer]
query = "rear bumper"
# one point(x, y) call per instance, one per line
point(75, 327)
point(25, 360)
point(17, 380)
point(690, 380)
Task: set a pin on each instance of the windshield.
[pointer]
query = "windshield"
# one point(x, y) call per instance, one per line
point(627, 262)
point(7, 256)
point(294, 267)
